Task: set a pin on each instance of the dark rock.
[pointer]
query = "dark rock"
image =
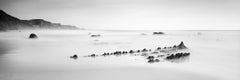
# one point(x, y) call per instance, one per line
point(177, 55)
point(144, 50)
point(157, 33)
point(170, 57)
point(104, 54)
point(165, 48)
point(93, 55)
point(131, 51)
point(97, 35)
point(32, 35)
point(151, 61)
point(150, 50)
point(138, 51)
point(150, 57)
point(74, 56)
point(174, 46)
point(181, 46)
point(157, 60)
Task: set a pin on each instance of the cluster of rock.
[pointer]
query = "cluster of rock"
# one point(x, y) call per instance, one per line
point(119, 53)
point(178, 55)
point(152, 59)
point(155, 55)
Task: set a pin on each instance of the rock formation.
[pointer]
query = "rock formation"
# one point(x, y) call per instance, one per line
point(155, 55)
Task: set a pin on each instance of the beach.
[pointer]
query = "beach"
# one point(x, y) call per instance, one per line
point(214, 55)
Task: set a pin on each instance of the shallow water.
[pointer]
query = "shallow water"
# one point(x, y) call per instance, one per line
point(215, 55)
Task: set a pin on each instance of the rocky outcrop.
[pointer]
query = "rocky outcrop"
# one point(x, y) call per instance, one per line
point(153, 55)
point(8, 22)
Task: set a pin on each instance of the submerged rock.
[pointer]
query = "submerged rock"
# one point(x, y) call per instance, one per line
point(32, 35)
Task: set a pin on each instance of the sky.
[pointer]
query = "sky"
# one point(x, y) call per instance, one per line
point(131, 14)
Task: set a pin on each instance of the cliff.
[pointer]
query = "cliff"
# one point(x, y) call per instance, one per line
point(8, 22)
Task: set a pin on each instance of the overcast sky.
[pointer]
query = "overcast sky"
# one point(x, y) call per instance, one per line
point(131, 14)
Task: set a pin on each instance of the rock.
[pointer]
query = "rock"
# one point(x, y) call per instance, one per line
point(181, 46)
point(144, 50)
point(138, 51)
point(157, 33)
point(157, 60)
point(170, 57)
point(93, 55)
point(97, 35)
point(150, 57)
point(32, 35)
point(174, 46)
point(131, 51)
point(151, 61)
point(74, 56)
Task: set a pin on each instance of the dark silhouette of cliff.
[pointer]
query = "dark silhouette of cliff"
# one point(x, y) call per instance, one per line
point(8, 22)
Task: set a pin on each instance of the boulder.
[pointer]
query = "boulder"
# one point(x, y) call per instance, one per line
point(32, 35)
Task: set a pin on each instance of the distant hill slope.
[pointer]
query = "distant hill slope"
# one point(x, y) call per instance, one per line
point(8, 22)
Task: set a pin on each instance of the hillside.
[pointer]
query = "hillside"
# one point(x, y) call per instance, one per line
point(8, 22)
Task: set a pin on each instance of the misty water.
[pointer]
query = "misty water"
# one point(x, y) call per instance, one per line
point(215, 55)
